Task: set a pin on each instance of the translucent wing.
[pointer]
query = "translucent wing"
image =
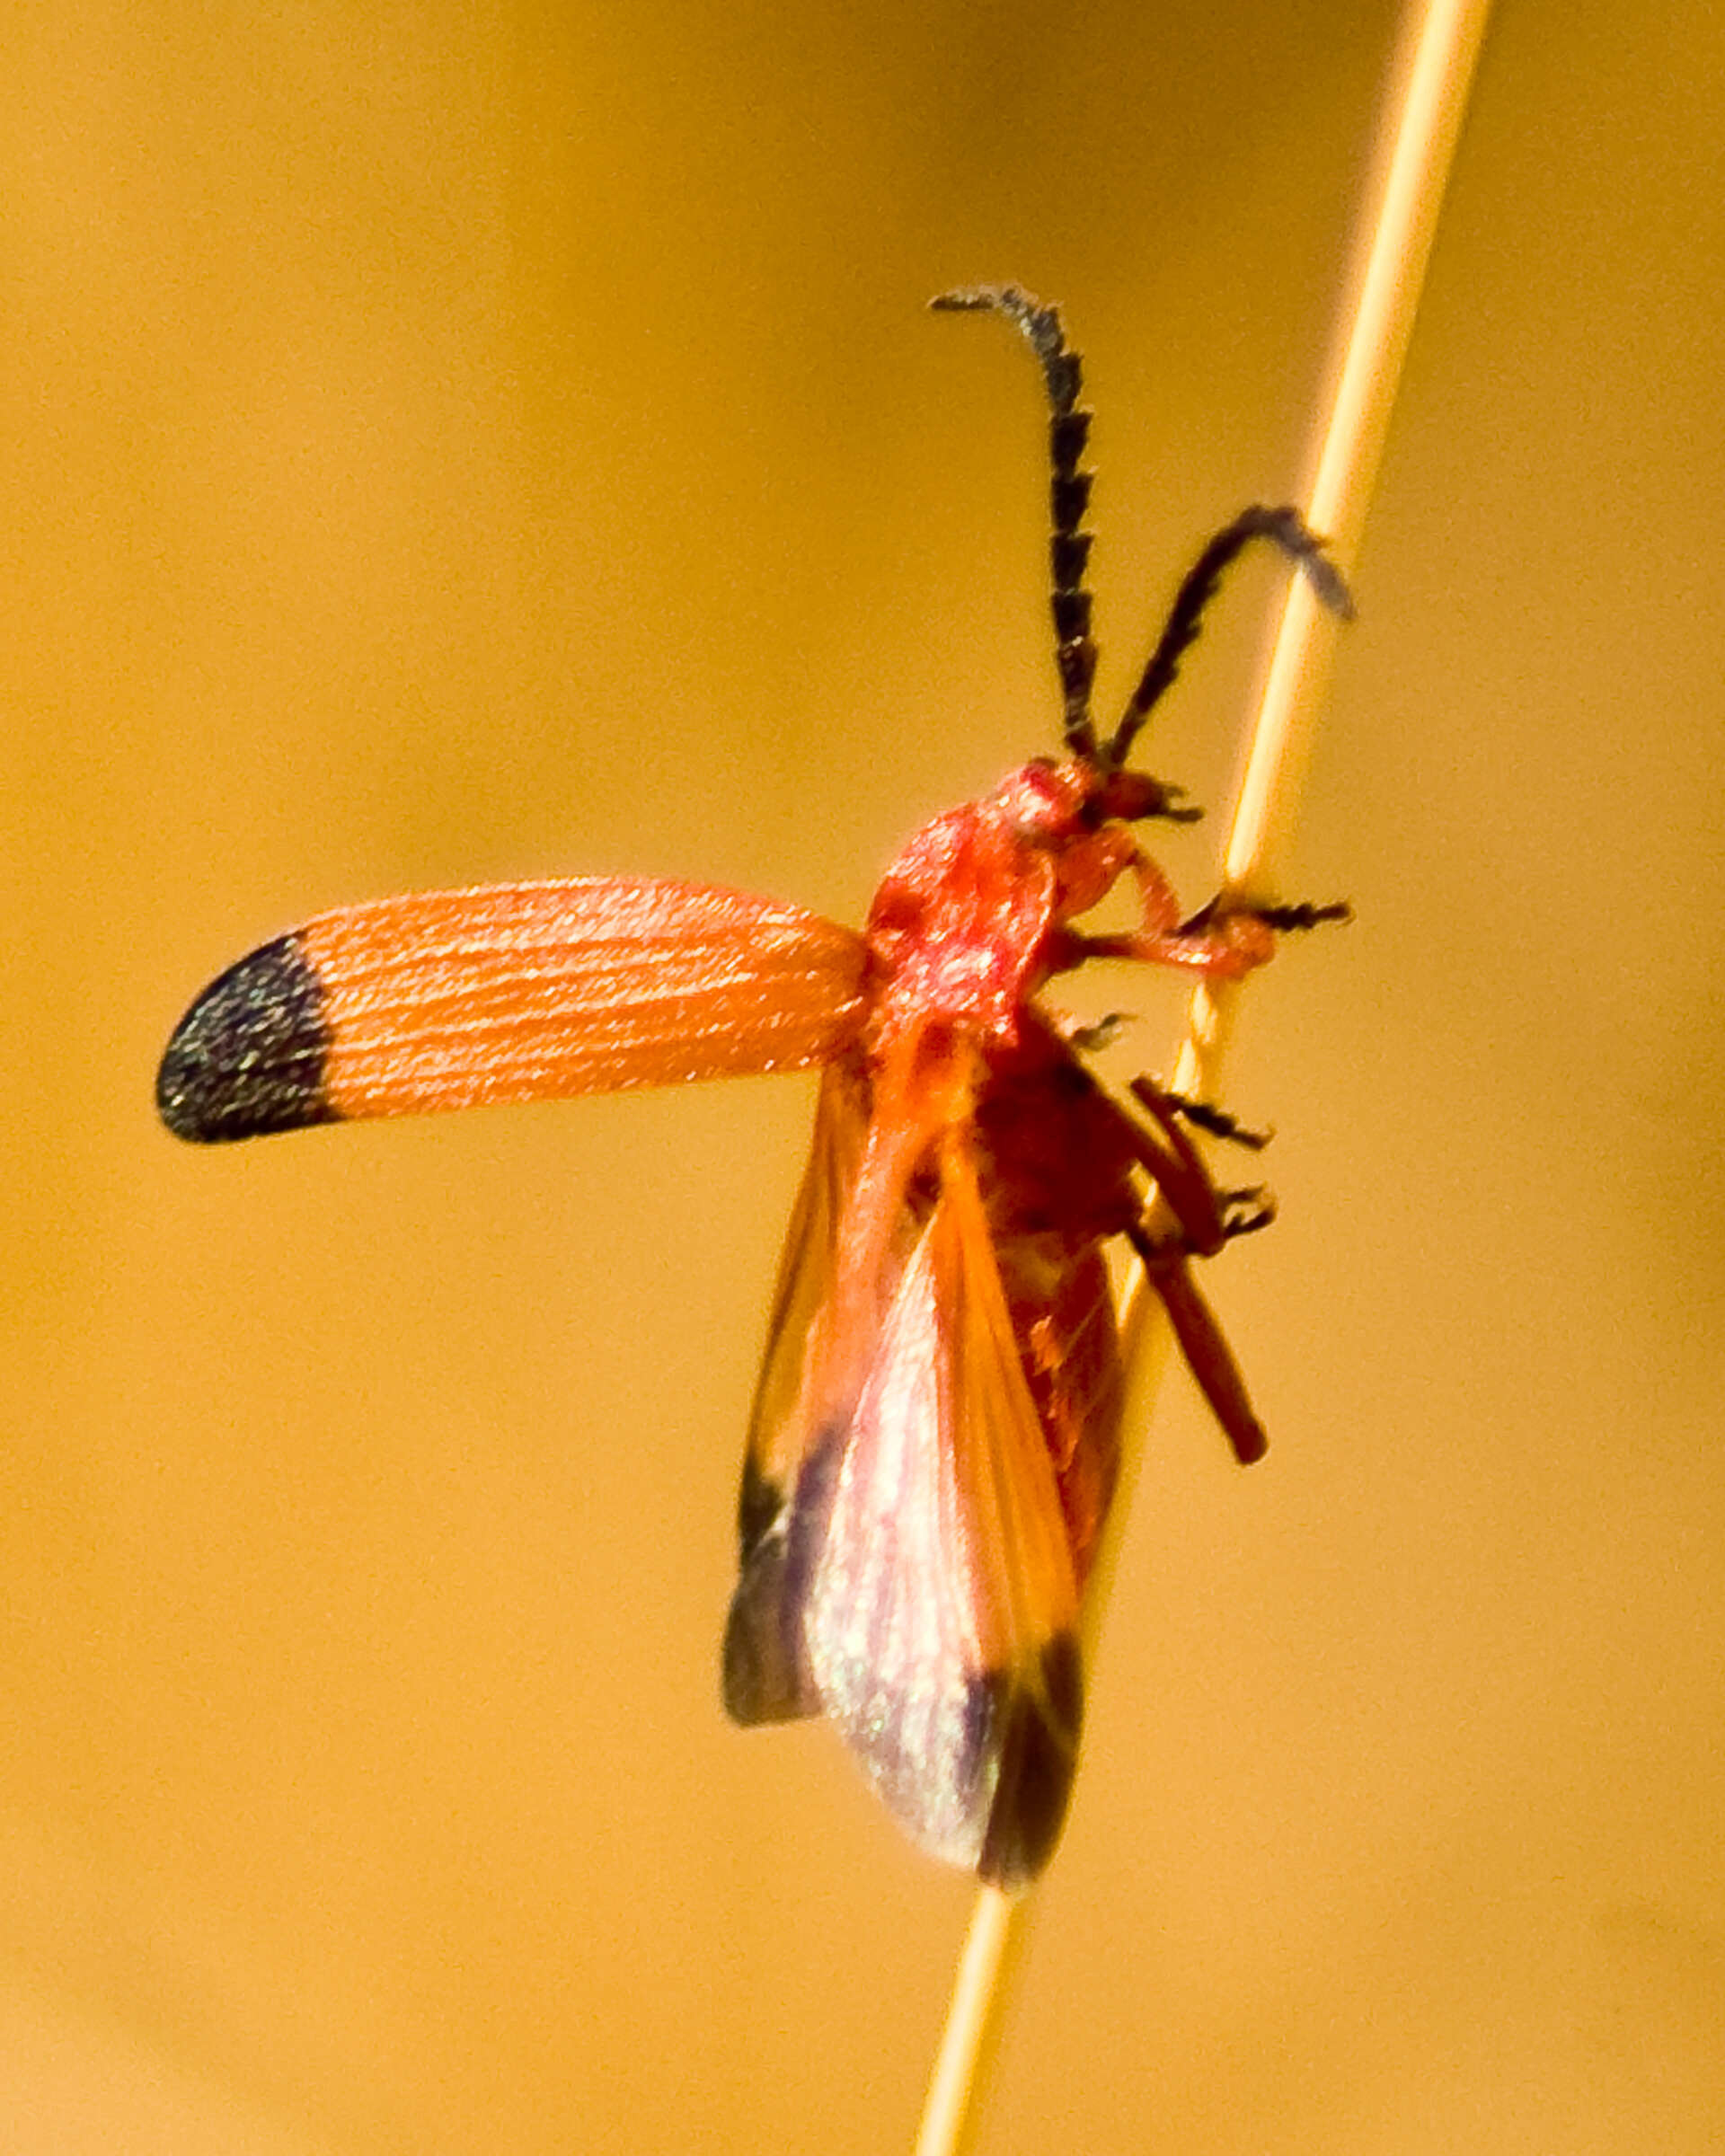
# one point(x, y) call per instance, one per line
point(765, 1677)
point(939, 1613)
point(518, 991)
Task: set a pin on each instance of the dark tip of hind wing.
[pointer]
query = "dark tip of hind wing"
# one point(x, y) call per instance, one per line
point(765, 1668)
point(252, 1054)
point(1037, 1732)
point(762, 1676)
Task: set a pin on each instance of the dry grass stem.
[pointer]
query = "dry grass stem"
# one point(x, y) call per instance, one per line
point(1424, 102)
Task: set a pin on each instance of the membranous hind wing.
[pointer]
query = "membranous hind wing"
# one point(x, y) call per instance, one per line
point(765, 1673)
point(939, 1619)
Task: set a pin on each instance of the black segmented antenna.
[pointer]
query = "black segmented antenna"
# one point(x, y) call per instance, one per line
point(1287, 528)
point(1074, 654)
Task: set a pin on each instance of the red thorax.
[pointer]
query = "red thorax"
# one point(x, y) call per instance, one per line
point(964, 928)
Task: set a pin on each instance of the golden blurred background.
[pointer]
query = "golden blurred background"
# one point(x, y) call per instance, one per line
point(451, 443)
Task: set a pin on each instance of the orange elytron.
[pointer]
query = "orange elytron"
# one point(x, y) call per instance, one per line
point(936, 1434)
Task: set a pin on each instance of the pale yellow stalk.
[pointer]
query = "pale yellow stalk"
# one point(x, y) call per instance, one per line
point(1422, 112)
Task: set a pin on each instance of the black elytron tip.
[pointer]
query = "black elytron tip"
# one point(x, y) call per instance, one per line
point(251, 1055)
